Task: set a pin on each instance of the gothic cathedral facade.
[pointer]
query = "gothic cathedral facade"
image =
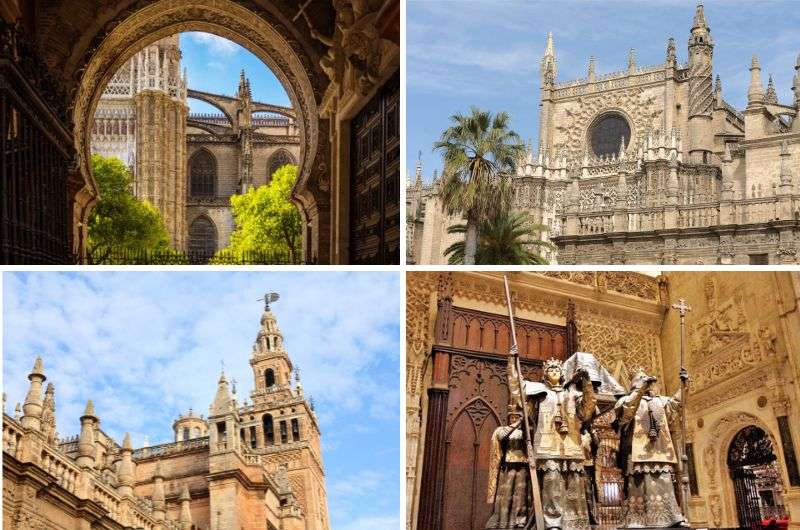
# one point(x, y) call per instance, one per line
point(650, 165)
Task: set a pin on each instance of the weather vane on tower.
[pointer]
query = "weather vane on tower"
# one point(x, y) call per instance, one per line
point(268, 299)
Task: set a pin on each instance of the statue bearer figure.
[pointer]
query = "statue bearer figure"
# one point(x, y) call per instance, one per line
point(647, 455)
point(557, 409)
point(508, 474)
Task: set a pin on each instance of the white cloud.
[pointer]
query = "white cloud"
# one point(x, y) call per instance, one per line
point(214, 43)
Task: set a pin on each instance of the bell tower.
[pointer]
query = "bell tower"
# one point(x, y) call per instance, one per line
point(272, 368)
point(701, 98)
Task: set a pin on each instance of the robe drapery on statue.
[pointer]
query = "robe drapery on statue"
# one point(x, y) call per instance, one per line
point(508, 474)
point(558, 409)
point(647, 456)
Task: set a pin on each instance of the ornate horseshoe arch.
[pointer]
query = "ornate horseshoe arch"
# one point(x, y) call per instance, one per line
point(722, 435)
point(270, 42)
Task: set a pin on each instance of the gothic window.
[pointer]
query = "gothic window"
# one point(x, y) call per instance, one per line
point(186, 433)
point(607, 133)
point(295, 430)
point(269, 431)
point(269, 377)
point(278, 160)
point(284, 432)
point(202, 238)
point(202, 174)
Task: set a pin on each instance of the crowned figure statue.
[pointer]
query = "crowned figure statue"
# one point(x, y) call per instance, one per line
point(558, 410)
point(648, 456)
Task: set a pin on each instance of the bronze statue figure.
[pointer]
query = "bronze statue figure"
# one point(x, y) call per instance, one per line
point(508, 474)
point(648, 455)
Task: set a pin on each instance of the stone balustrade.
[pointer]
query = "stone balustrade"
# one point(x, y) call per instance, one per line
point(664, 217)
point(59, 466)
point(12, 436)
point(170, 448)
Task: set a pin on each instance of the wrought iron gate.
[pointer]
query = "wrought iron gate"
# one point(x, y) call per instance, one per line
point(34, 157)
point(375, 179)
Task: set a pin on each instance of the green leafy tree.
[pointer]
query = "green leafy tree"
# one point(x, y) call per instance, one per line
point(503, 239)
point(479, 152)
point(266, 219)
point(122, 225)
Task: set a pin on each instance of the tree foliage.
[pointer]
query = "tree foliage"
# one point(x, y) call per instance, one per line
point(507, 238)
point(266, 219)
point(121, 223)
point(479, 152)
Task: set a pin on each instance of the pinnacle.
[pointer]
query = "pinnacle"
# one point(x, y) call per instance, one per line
point(184, 494)
point(126, 443)
point(38, 365)
point(754, 63)
point(89, 411)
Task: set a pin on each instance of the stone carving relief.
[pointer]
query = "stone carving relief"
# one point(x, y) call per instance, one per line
point(723, 342)
point(640, 106)
point(620, 349)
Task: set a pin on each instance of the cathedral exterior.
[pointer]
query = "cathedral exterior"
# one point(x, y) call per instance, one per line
point(650, 165)
point(189, 165)
point(250, 465)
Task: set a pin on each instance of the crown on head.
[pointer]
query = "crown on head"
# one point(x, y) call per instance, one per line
point(553, 363)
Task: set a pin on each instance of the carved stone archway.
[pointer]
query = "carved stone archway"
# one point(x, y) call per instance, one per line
point(715, 459)
point(268, 36)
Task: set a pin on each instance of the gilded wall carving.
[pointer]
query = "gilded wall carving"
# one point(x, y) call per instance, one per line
point(620, 348)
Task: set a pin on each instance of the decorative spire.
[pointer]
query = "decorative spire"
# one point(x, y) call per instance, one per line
point(671, 52)
point(796, 84)
point(772, 96)
point(32, 407)
point(418, 179)
point(49, 414)
point(159, 501)
point(699, 17)
point(631, 61)
point(755, 94)
point(86, 448)
point(222, 399)
point(185, 517)
point(592, 66)
point(125, 472)
point(701, 33)
point(718, 91)
point(548, 64)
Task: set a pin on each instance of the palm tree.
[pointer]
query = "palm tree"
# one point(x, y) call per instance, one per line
point(504, 239)
point(479, 153)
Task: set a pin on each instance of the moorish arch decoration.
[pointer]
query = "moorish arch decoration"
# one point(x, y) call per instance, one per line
point(715, 459)
point(260, 27)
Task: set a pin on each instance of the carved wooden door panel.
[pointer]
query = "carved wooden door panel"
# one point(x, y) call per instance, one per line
point(375, 179)
point(477, 403)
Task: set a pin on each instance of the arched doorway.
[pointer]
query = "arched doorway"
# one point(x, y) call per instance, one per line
point(757, 486)
point(290, 54)
point(202, 240)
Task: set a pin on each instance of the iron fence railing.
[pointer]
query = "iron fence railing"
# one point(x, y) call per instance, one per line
point(125, 256)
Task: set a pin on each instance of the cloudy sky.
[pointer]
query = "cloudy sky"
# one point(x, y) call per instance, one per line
point(473, 52)
point(214, 63)
point(147, 346)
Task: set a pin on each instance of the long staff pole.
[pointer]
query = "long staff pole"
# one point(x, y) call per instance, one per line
point(534, 478)
point(684, 468)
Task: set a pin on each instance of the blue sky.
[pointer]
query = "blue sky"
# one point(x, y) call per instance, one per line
point(147, 346)
point(474, 52)
point(214, 64)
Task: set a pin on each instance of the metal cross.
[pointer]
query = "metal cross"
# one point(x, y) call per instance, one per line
point(682, 307)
